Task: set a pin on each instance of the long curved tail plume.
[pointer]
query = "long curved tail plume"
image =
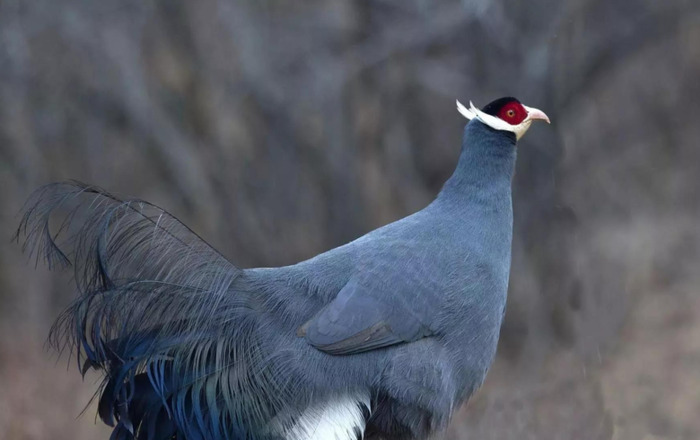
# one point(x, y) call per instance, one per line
point(158, 312)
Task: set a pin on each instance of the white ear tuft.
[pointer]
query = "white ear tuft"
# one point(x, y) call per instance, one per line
point(473, 108)
point(465, 111)
point(491, 121)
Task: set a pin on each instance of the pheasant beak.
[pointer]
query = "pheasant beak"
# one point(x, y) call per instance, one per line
point(536, 114)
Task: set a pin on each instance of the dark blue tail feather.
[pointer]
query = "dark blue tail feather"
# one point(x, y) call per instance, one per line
point(160, 314)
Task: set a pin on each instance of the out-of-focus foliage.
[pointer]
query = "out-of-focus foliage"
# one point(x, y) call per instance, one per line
point(280, 129)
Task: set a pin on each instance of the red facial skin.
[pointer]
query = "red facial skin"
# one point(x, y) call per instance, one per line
point(513, 113)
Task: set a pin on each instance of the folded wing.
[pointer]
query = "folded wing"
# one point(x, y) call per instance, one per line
point(360, 320)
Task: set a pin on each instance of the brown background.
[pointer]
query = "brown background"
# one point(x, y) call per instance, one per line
point(278, 131)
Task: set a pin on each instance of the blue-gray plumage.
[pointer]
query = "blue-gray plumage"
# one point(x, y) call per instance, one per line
point(383, 337)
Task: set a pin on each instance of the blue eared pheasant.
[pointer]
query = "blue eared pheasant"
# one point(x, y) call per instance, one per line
point(383, 337)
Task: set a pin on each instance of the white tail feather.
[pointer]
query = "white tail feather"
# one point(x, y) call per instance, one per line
point(341, 418)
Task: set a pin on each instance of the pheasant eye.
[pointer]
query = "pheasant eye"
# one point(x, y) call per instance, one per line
point(512, 112)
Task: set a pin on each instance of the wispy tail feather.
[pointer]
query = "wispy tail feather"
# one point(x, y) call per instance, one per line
point(158, 312)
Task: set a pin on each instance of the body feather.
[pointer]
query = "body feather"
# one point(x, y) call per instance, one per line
point(387, 334)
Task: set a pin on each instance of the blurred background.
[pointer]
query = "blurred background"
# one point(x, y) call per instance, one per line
point(278, 130)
